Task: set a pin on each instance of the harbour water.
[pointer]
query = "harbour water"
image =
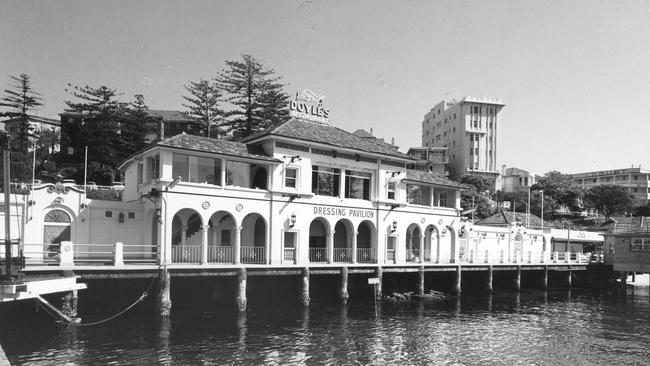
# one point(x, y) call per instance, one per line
point(532, 327)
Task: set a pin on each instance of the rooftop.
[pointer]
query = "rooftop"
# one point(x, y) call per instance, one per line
point(509, 218)
point(328, 135)
point(170, 115)
point(427, 177)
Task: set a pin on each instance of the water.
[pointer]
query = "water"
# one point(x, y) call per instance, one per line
point(549, 328)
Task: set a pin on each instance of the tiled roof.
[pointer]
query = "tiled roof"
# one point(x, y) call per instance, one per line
point(169, 115)
point(509, 217)
point(363, 134)
point(427, 177)
point(217, 146)
point(326, 134)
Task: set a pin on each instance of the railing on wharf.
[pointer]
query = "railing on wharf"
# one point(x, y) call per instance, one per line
point(318, 255)
point(253, 255)
point(221, 254)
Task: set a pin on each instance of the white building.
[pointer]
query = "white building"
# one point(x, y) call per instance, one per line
point(468, 129)
point(635, 180)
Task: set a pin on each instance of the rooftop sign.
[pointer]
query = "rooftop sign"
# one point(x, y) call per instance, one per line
point(308, 105)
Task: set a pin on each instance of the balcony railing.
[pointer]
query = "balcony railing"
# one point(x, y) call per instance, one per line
point(318, 255)
point(221, 254)
point(342, 255)
point(253, 255)
point(186, 254)
point(366, 255)
point(289, 255)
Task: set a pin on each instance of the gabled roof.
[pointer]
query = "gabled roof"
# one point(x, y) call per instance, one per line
point(187, 142)
point(325, 134)
point(363, 134)
point(170, 115)
point(427, 177)
point(509, 218)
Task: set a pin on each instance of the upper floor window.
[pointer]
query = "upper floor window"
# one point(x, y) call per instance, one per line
point(475, 109)
point(208, 171)
point(325, 181)
point(246, 175)
point(442, 199)
point(390, 190)
point(153, 167)
point(640, 245)
point(418, 194)
point(290, 177)
point(357, 184)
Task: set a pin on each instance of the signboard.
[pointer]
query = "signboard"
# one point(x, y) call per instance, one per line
point(506, 204)
point(344, 212)
point(308, 105)
point(373, 281)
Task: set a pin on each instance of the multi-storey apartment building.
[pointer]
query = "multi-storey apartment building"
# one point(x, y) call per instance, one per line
point(468, 129)
point(636, 180)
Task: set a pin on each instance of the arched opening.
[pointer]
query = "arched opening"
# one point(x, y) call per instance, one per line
point(253, 239)
point(221, 238)
point(55, 230)
point(260, 177)
point(431, 244)
point(318, 230)
point(413, 237)
point(342, 242)
point(186, 236)
point(518, 247)
point(366, 250)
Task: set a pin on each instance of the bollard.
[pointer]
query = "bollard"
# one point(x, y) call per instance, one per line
point(305, 287)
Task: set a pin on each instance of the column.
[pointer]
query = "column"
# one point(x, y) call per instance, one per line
point(354, 246)
point(164, 288)
point(344, 285)
point(241, 289)
point(518, 278)
point(490, 278)
point(380, 275)
point(330, 246)
point(204, 244)
point(183, 234)
point(421, 280)
point(457, 287)
point(305, 287)
point(237, 245)
point(422, 235)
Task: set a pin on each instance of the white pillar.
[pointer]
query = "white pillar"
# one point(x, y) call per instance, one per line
point(354, 246)
point(421, 243)
point(237, 245)
point(118, 259)
point(330, 246)
point(204, 244)
point(183, 234)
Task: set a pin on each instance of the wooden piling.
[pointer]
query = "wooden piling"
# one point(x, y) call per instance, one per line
point(164, 289)
point(490, 278)
point(344, 285)
point(568, 277)
point(421, 280)
point(241, 289)
point(623, 278)
point(378, 289)
point(305, 287)
point(518, 278)
point(545, 278)
point(457, 286)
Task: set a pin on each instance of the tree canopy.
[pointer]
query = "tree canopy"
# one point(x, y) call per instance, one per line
point(256, 95)
point(203, 105)
point(609, 199)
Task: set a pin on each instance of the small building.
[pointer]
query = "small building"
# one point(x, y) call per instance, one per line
point(170, 123)
point(429, 159)
point(627, 245)
point(515, 180)
point(37, 123)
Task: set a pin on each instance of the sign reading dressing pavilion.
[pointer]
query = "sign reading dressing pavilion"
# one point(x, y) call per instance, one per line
point(309, 106)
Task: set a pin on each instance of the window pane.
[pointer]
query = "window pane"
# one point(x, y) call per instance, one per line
point(325, 181)
point(181, 167)
point(357, 185)
point(289, 239)
point(209, 170)
point(290, 178)
point(237, 174)
point(418, 194)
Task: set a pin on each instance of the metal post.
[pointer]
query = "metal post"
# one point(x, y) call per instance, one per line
point(4, 141)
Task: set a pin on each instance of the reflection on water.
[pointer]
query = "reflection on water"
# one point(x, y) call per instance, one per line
point(503, 328)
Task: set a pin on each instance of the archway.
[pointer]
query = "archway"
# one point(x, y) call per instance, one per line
point(186, 236)
point(431, 244)
point(366, 249)
point(253, 239)
point(55, 230)
point(342, 243)
point(318, 231)
point(413, 237)
point(221, 237)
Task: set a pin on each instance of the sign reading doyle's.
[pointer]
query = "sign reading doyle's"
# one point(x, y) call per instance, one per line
point(309, 106)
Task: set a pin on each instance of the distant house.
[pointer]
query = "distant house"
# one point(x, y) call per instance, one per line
point(515, 180)
point(170, 123)
point(38, 123)
point(430, 159)
point(370, 137)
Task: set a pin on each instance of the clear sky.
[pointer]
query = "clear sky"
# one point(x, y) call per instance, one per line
point(574, 75)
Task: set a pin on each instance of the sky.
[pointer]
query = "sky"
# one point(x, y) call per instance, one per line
point(574, 75)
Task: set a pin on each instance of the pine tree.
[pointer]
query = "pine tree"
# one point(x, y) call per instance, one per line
point(20, 99)
point(275, 107)
point(135, 125)
point(203, 106)
point(244, 84)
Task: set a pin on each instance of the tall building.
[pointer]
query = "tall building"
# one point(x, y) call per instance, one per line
point(468, 129)
point(635, 180)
